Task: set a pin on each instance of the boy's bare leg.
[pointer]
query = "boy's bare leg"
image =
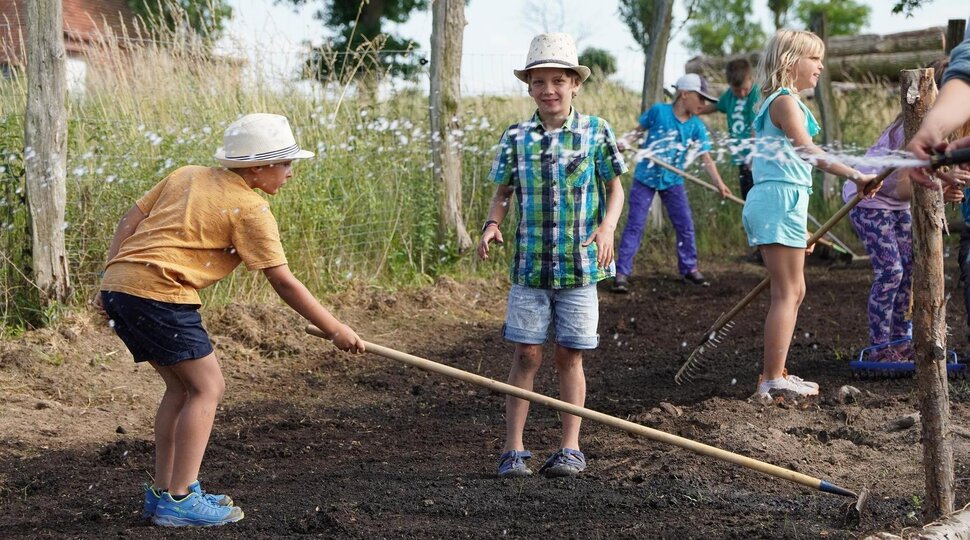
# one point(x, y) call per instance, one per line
point(166, 419)
point(786, 267)
point(572, 389)
point(525, 364)
point(204, 387)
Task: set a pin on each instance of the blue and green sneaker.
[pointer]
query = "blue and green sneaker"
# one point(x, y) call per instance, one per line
point(152, 496)
point(193, 511)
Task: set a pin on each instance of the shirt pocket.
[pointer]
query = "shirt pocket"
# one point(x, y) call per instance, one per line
point(579, 170)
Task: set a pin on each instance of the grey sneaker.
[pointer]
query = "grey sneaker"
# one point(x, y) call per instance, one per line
point(621, 284)
point(695, 277)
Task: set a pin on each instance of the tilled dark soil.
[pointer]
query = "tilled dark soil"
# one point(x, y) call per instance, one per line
point(310, 441)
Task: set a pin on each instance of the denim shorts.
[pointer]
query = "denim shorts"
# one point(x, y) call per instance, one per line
point(574, 313)
point(162, 332)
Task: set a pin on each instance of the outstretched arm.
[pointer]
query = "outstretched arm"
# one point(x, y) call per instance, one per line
point(950, 111)
point(713, 173)
point(786, 114)
point(296, 295)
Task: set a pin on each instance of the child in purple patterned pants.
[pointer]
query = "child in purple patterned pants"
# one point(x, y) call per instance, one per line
point(884, 224)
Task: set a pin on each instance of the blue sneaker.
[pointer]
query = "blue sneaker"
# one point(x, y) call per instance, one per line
point(565, 462)
point(152, 496)
point(511, 464)
point(193, 511)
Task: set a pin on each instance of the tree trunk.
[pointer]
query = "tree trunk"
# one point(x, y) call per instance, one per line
point(826, 108)
point(918, 92)
point(656, 53)
point(448, 25)
point(45, 142)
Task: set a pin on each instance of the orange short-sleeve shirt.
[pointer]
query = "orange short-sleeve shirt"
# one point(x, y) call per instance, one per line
point(200, 223)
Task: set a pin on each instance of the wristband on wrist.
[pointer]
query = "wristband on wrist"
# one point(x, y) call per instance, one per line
point(489, 222)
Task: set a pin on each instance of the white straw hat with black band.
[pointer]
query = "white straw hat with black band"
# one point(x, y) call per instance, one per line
point(552, 51)
point(259, 139)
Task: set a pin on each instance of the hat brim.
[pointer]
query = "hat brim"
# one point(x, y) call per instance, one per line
point(582, 71)
point(242, 163)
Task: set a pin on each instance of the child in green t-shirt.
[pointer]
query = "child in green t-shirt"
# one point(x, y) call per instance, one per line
point(738, 102)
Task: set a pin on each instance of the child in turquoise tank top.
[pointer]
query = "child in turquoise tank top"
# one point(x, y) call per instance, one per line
point(776, 210)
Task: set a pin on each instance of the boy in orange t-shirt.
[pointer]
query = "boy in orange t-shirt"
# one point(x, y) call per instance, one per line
point(188, 232)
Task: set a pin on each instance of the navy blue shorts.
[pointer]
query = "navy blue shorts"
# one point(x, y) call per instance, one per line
point(162, 332)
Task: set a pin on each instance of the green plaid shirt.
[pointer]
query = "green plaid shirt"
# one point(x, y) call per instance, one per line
point(559, 178)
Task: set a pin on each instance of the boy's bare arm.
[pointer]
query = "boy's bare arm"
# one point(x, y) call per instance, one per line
point(630, 139)
point(126, 227)
point(715, 174)
point(604, 234)
point(496, 213)
point(296, 295)
point(709, 108)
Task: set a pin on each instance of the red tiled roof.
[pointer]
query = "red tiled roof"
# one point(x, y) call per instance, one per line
point(83, 21)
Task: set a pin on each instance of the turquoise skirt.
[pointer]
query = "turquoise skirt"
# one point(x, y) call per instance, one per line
point(777, 213)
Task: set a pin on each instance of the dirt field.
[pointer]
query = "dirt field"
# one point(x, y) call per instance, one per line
point(311, 441)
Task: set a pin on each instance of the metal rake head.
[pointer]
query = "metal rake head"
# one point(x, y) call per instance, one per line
point(694, 365)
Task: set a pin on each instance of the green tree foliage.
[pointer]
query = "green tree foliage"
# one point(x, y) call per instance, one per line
point(206, 18)
point(601, 62)
point(360, 48)
point(779, 10)
point(909, 6)
point(635, 13)
point(842, 17)
point(721, 27)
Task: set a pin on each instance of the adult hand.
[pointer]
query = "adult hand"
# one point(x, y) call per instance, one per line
point(604, 246)
point(491, 234)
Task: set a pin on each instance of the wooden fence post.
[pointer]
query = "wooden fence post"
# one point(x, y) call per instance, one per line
point(826, 107)
point(956, 30)
point(45, 148)
point(447, 30)
point(918, 92)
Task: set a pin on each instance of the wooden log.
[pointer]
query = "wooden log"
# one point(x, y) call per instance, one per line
point(917, 93)
point(956, 31)
point(853, 57)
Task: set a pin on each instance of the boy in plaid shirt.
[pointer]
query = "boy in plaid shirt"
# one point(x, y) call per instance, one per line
point(563, 168)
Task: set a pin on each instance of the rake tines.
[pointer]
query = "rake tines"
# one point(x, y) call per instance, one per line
point(695, 362)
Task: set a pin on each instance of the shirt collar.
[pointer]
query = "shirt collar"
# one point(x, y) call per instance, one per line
point(570, 123)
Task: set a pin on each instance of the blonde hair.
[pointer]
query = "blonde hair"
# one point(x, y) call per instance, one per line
point(784, 50)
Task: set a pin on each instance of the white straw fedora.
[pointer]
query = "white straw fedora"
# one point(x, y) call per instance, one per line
point(552, 50)
point(259, 139)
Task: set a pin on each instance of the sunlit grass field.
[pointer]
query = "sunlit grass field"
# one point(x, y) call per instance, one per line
point(364, 211)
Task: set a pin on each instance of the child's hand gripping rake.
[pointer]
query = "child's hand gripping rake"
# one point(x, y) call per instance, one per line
point(854, 511)
point(718, 331)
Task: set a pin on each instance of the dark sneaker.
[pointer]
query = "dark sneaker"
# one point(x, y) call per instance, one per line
point(695, 277)
point(152, 496)
point(621, 284)
point(565, 462)
point(511, 464)
point(193, 511)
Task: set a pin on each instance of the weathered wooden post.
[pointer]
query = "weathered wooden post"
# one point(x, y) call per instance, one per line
point(45, 148)
point(447, 31)
point(956, 29)
point(831, 131)
point(918, 92)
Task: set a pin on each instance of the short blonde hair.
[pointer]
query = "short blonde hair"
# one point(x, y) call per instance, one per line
point(783, 51)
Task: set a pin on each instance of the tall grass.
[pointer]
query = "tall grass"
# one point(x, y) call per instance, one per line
point(365, 210)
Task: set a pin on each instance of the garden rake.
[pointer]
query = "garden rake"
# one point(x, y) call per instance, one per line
point(719, 330)
point(854, 511)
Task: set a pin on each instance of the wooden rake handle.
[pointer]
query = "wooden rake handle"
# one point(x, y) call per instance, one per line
point(589, 414)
